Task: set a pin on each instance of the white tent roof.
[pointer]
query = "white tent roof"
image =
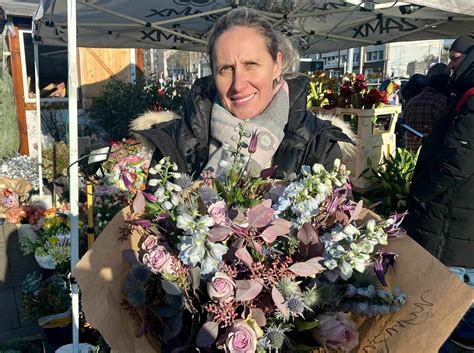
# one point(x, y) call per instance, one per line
point(183, 24)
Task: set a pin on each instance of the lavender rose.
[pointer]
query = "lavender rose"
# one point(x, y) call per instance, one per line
point(221, 287)
point(150, 242)
point(218, 211)
point(240, 338)
point(158, 260)
point(337, 330)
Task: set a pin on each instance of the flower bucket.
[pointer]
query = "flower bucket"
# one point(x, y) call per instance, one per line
point(26, 232)
point(45, 262)
point(83, 348)
point(57, 328)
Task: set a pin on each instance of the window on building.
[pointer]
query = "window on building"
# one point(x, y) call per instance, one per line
point(52, 70)
point(374, 56)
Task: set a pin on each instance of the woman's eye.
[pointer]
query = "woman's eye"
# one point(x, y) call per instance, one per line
point(225, 69)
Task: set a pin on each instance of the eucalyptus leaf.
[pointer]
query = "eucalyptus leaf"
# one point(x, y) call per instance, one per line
point(170, 287)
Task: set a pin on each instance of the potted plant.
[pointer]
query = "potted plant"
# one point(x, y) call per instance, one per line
point(52, 249)
point(48, 301)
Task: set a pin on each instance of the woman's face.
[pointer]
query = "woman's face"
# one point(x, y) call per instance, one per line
point(244, 71)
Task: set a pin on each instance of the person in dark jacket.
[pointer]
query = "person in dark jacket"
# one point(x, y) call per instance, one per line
point(441, 208)
point(248, 60)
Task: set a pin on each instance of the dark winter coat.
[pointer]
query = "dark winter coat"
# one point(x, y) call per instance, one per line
point(307, 139)
point(441, 207)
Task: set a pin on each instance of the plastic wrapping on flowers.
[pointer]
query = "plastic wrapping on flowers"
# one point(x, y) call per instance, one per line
point(127, 164)
point(236, 263)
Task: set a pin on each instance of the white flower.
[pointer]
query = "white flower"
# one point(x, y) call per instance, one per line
point(345, 270)
point(305, 170)
point(153, 182)
point(318, 168)
point(206, 221)
point(185, 222)
point(152, 171)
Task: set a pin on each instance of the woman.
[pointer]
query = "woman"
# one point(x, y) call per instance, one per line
point(249, 60)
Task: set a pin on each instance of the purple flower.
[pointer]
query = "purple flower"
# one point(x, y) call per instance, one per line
point(393, 224)
point(126, 182)
point(239, 338)
point(217, 211)
point(150, 242)
point(253, 142)
point(221, 287)
point(158, 260)
point(337, 330)
point(268, 172)
point(150, 197)
point(385, 260)
point(145, 223)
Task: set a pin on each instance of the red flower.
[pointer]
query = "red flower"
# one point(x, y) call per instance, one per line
point(360, 77)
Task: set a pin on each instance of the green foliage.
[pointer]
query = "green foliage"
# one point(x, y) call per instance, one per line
point(21, 346)
point(9, 135)
point(121, 102)
point(55, 161)
point(44, 297)
point(392, 180)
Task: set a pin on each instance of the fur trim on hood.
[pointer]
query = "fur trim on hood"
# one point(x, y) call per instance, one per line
point(148, 119)
point(145, 122)
point(348, 150)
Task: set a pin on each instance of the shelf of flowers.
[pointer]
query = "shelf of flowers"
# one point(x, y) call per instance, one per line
point(45, 232)
point(368, 114)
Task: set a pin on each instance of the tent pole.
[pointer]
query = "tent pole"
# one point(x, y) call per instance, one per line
point(74, 167)
point(38, 120)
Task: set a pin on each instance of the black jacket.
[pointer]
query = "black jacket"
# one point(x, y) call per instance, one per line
point(307, 139)
point(441, 207)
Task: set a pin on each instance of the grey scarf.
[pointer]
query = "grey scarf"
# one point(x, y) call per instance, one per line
point(269, 124)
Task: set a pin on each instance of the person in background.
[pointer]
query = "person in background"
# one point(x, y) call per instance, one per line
point(414, 86)
point(441, 208)
point(422, 111)
point(249, 60)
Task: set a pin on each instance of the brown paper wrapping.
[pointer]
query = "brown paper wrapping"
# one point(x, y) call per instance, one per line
point(437, 299)
point(100, 274)
point(18, 185)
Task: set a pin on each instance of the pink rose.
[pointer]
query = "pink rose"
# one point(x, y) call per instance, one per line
point(158, 260)
point(217, 211)
point(150, 242)
point(337, 330)
point(240, 338)
point(221, 287)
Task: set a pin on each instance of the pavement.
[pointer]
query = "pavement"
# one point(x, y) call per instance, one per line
point(14, 267)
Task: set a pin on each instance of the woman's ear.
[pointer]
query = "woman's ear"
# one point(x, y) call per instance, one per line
point(277, 66)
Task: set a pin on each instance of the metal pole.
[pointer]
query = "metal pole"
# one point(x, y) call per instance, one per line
point(361, 60)
point(38, 120)
point(74, 168)
point(350, 60)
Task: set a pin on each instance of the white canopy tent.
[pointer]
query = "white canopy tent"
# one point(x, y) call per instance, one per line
point(315, 26)
point(323, 25)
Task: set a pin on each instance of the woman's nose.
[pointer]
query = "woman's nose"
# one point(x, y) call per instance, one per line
point(239, 80)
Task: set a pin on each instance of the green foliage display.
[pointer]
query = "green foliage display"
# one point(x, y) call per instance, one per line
point(42, 297)
point(392, 180)
point(55, 161)
point(9, 135)
point(122, 102)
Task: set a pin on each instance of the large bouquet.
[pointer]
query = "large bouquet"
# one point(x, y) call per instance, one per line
point(240, 264)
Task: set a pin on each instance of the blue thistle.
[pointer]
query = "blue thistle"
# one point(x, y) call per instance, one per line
point(140, 273)
point(207, 194)
point(136, 297)
point(275, 338)
point(185, 181)
point(296, 306)
point(288, 288)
